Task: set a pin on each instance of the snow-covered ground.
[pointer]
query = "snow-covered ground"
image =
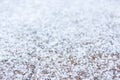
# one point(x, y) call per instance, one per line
point(59, 39)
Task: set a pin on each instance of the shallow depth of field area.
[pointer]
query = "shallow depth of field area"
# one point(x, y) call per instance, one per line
point(59, 40)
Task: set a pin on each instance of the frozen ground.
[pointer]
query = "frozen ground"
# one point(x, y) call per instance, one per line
point(59, 40)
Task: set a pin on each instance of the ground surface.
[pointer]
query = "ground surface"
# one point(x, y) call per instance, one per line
point(59, 40)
